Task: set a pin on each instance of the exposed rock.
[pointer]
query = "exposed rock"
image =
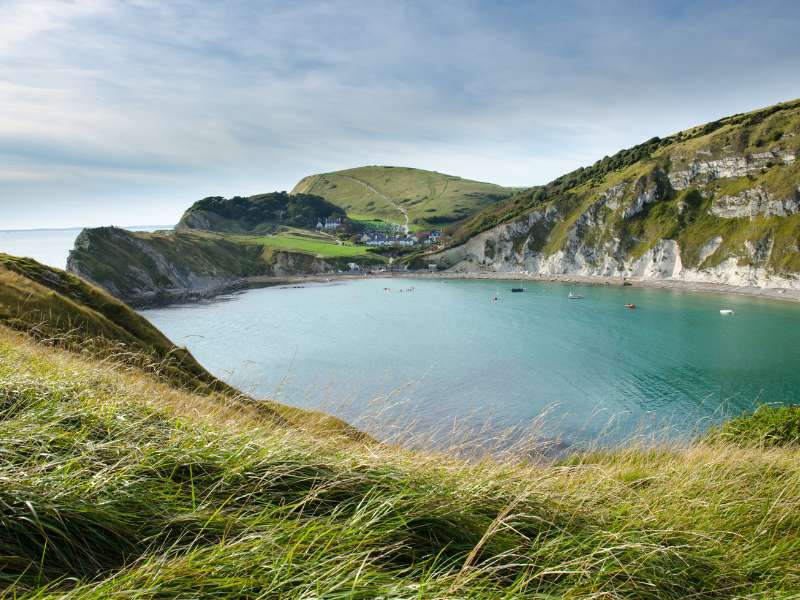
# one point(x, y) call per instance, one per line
point(154, 269)
point(648, 189)
point(701, 172)
point(754, 202)
point(711, 246)
point(614, 194)
point(760, 249)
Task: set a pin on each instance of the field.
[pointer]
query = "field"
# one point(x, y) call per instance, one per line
point(390, 194)
point(300, 240)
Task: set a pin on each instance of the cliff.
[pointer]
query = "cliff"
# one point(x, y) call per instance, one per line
point(717, 203)
point(157, 268)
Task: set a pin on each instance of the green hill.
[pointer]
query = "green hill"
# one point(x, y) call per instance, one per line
point(260, 214)
point(62, 309)
point(719, 203)
point(401, 195)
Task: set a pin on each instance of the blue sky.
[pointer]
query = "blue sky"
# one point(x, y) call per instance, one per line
point(126, 112)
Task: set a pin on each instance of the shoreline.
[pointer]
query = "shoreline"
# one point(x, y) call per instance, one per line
point(783, 294)
point(162, 300)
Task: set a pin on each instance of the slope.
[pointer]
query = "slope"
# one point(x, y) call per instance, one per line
point(400, 195)
point(260, 214)
point(716, 203)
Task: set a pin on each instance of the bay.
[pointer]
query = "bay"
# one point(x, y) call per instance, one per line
point(445, 357)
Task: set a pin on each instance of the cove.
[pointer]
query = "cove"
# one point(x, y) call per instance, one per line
point(445, 356)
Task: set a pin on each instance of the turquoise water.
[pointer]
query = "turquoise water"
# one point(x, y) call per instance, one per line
point(445, 354)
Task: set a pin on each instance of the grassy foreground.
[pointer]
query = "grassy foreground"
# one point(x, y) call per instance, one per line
point(114, 484)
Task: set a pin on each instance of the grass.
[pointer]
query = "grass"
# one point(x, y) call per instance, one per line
point(431, 199)
point(118, 482)
point(62, 309)
point(117, 485)
point(768, 426)
point(296, 240)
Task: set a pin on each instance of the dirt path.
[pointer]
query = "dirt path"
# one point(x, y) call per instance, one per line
point(383, 197)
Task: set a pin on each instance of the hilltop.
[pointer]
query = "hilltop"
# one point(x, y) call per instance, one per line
point(403, 196)
point(119, 482)
point(260, 214)
point(717, 203)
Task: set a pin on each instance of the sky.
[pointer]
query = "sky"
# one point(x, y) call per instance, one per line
point(125, 113)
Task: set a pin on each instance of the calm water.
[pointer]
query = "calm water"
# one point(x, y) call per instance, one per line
point(48, 246)
point(445, 353)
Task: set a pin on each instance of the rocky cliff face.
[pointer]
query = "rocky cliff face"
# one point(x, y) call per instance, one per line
point(721, 206)
point(145, 269)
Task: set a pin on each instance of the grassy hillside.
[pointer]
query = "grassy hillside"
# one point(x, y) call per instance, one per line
point(747, 161)
point(260, 214)
point(428, 198)
point(117, 486)
point(62, 309)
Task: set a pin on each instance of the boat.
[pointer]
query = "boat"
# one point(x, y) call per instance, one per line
point(517, 289)
point(725, 311)
point(630, 306)
point(574, 296)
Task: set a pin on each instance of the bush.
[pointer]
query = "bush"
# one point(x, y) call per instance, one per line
point(767, 426)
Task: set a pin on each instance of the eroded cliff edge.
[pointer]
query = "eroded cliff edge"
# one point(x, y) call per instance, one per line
point(151, 269)
point(716, 204)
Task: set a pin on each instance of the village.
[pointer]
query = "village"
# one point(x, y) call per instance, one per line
point(385, 236)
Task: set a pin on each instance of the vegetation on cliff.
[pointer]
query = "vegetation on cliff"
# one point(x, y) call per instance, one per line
point(154, 268)
point(428, 198)
point(263, 213)
point(728, 189)
point(61, 309)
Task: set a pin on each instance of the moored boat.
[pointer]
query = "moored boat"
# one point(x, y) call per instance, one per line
point(630, 305)
point(725, 311)
point(573, 296)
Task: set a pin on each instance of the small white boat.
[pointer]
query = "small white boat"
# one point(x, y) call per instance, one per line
point(574, 296)
point(725, 311)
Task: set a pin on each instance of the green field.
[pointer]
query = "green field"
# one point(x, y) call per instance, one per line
point(427, 197)
point(299, 240)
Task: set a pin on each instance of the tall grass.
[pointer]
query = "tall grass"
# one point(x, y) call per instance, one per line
point(113, 484)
